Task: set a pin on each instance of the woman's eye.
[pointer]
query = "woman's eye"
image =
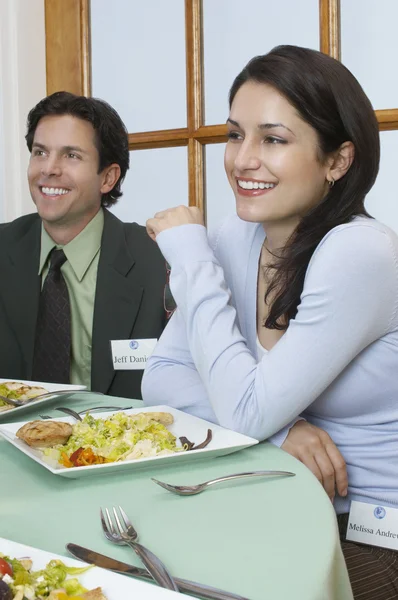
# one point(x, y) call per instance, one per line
point(270, 139)
point(233, 135)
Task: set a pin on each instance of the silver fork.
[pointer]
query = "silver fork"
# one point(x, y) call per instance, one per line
point(75, 414)
point(191, 490)
point(16, 403)
point(71, 412)
point(125, 534)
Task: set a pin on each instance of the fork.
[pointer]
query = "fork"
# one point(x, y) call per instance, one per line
point(125, 534)
point(46, 395)
point(191, 490)
point(86, 410)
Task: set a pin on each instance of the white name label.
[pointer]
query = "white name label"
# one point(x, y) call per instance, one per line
point(373, 524)
point(131, 354)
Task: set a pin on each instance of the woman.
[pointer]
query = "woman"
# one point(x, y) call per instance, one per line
point(290, 311)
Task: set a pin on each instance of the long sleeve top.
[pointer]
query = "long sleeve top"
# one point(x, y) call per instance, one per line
point(336, 365)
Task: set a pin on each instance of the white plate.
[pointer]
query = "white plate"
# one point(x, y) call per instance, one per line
point(114, 586)
point(51, 387)
point(224, 441)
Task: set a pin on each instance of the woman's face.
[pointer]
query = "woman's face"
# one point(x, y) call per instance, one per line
point(272, 158)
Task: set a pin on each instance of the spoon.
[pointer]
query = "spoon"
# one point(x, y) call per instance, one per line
point(190, 490)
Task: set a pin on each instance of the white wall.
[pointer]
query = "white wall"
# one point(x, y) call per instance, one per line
point(22, 85)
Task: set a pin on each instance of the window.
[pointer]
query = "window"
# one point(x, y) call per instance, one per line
point(166, 66)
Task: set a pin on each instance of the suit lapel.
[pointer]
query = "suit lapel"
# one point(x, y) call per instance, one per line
point(21, 298)
point(117, 301)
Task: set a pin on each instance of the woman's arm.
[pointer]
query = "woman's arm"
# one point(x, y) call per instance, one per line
point(348, 302)
point(170, 376)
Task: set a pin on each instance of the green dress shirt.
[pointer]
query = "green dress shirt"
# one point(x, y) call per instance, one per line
point(80, 274)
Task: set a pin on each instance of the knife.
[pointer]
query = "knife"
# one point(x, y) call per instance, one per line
point(105, 562)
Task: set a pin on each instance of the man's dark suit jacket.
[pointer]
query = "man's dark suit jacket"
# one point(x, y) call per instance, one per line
point(128, 299)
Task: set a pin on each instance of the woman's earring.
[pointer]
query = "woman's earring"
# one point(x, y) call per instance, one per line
point(331, 182)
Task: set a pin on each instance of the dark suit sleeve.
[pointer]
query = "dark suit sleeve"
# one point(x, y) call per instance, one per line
point(11, 361)
point(148, 275)
point(151, 267)
point(19, 298)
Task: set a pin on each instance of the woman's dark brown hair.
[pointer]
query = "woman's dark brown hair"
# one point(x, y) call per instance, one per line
point(329, 98)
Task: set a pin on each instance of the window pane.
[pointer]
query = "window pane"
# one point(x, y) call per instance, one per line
point(369, 47)
point(157, 179)
point(220, 200)
point(138, 61)
point(382, 200)
point(235, 31)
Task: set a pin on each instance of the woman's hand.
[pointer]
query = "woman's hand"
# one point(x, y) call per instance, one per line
point(172, 217)
point(316, 449)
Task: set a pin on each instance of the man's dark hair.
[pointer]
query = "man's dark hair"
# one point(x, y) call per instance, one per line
point(111, 137)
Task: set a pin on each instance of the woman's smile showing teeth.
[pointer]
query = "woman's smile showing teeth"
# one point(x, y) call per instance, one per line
point(252, 187)
point(51, 191)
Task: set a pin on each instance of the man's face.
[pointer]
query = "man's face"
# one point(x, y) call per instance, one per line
point(63, 173)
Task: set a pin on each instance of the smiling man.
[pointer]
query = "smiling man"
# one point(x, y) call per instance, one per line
point(75, 279)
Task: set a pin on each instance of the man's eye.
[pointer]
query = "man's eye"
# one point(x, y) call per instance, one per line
point(38, 152)
point(73, 155)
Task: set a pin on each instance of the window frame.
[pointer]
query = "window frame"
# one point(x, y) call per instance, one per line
point(68, 67)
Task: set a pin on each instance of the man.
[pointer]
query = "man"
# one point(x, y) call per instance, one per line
point(74, 278)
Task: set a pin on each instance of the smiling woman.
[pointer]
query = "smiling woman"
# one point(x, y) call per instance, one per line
point(266, 157)
point(286, 325)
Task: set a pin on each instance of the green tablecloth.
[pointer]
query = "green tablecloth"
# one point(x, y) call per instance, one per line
point(263, 539)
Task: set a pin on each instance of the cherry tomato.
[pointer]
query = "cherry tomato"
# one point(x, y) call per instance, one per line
point(5, 568)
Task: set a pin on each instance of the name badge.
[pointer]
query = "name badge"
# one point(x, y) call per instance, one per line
point(131, 354)
point(373, 524)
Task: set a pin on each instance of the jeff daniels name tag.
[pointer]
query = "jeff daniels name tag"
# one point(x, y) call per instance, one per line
point(131, 354)
point(373, 524)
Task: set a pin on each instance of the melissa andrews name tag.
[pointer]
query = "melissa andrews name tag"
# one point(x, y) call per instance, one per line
point(130, 355)
point(373, 524)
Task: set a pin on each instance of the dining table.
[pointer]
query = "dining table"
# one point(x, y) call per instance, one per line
point(263, 538)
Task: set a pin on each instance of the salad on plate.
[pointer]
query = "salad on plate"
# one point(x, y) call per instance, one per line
point(18, 581)
point(16, 390)
point(103, 440)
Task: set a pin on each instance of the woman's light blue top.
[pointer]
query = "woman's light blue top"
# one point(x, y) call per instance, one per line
point(336, 365)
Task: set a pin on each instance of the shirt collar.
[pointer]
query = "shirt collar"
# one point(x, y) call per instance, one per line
point(80, 251)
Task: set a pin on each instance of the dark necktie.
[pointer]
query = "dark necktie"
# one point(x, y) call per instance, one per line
point(51, 361)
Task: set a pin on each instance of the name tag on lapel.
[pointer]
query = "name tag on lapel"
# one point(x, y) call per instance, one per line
point(131, 355)
point(373, 524)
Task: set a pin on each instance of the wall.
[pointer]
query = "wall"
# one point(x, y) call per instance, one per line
point(22, 85)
